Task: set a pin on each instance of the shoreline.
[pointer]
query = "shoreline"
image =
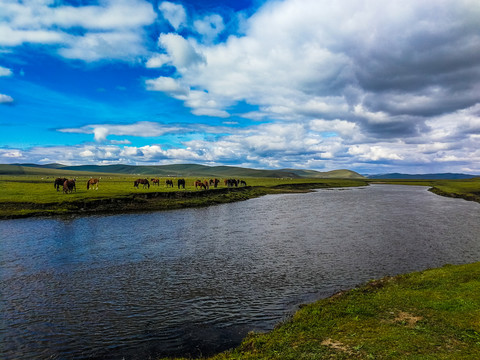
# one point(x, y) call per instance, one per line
point(424, 313)
point(151, 201)
point(182, 199)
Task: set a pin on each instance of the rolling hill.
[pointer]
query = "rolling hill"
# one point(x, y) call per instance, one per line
point(171, 170)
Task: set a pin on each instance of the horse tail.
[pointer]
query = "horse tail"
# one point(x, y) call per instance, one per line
point(88, 184)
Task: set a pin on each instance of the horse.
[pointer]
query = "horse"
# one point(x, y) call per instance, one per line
point(200, 184)
point(181, 182)
point(145, 183)
point(169, 183)
point(231, 183)
point(155, 182)
point(69, 186)
point(93, 182)
point(59, 182)
point(214, 182)
point(242, 182)
point(206, 184)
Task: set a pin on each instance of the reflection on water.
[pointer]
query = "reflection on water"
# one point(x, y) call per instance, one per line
point(196, 281)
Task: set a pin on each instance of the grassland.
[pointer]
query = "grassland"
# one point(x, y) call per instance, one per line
point(34, 195)
point(434, 314)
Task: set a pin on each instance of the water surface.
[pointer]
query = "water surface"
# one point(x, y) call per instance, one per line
point(196, 281)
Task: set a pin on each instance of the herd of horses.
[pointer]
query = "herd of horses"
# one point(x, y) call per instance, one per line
point(69, 185)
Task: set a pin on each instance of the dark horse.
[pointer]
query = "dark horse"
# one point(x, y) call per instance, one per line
point(145, 183)
point(214, 182)
point(169, 183)
point(181, 183)
point(93, 182)
point(69, 186)
point(59, 182)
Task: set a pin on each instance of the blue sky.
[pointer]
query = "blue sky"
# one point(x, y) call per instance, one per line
point(370, 85)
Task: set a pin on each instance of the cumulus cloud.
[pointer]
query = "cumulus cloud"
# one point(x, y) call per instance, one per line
point(174, 13)
point(209, 26)
point(385, 68)
point(111, 29)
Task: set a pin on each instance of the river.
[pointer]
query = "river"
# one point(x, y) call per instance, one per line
point(195, 281)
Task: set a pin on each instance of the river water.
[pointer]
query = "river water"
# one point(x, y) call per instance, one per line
point(195, 281)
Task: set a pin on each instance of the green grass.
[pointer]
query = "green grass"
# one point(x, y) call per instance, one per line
point(29, 195)
point(434, 314)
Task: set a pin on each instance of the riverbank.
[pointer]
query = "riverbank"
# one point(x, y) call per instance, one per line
point(433, 314)
point(18, 200)
point(468, 189)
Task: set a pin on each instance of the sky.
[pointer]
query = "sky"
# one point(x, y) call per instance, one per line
point(372, 86)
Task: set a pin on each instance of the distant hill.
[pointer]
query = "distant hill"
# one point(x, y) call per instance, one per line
point(442, 176)
point(171, 170)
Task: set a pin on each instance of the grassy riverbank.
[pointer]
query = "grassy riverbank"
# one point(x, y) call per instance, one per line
point(27, 195)
point(434, 314)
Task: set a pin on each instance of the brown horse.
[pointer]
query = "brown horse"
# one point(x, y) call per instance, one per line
point(69, 186)
point(155, 182)
point(59, 182)
point(200, 184)
point(145, 183)
point(93, 182)
point(169, 182)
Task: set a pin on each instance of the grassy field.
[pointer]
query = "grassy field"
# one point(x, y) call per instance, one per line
point(434, 314)
point(30, 195)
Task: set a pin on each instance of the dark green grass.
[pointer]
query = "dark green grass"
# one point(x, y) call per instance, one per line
point(434, 314)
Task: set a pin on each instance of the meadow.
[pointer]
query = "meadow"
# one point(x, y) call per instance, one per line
point(30, 195)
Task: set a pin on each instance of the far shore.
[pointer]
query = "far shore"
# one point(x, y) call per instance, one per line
point(47, 202)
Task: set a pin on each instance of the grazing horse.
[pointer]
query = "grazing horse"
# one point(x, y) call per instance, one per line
point(242, 182)
point(93, 182)
point(214, 182)
point(181, 182)
point(200, 184)
point(169, 183)
point(69, 186)
point(231, 182)
point(145, 183)
point(155, 182)
point(59, 182)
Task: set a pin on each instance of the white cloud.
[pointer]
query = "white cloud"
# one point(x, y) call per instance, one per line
point(139, 129)
point(157, 61)
point(5, 99)
point(209, 27)
point(181, 51)
point(111, 29)
point(5, 71)
point(174, 13)
point(167, 85)
point(105, 45)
